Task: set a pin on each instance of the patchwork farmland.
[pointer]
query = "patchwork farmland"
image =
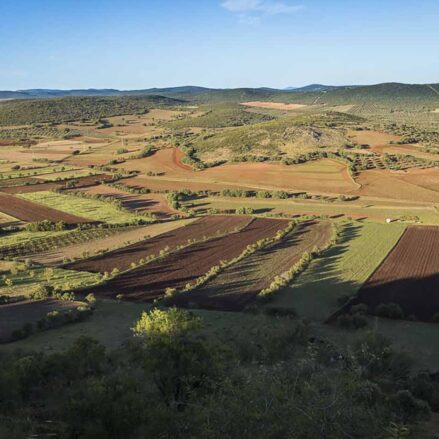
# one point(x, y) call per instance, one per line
point(148, 282)
point(32, 212)
point(237, 286)
point(122, 258)
point(259, 241)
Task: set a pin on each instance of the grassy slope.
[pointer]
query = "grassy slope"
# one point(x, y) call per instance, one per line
point(88, 208)
point(341, 270)
point(270, 137)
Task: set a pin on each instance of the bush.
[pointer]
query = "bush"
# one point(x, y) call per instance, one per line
point(390, 310)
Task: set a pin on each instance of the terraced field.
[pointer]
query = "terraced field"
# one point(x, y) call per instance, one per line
point(27, 210)
point(150, 281)
point(94, 209)
point(155, 204)
point(113, 239)
point(123, 257)
point(238, 285)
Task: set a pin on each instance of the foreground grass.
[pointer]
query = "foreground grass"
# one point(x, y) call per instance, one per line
point(112, 321)
point(340, 271)
point(88, 208)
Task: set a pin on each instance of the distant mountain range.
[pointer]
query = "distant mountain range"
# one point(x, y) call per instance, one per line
point(430, 91)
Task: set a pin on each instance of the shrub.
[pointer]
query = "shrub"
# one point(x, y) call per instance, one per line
point(390, 310)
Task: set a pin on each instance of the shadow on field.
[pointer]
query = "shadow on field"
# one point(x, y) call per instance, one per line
point(316, 292)
point(417, 297)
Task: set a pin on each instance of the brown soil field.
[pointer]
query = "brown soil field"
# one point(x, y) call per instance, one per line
point(372, 138)
point(148, 282)
point(237, 286)
point(420, 185)
point(409, 276)
point(81, 182)
point(30, 188)
point(404, 150)
point(325, 176)
point(208, 226)
point(122, 239)
point(273, 105)
point(156, 204)
point(28, 211)
point(14, 315)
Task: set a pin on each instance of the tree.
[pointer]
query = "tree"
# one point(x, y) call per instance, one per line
point(179, 361)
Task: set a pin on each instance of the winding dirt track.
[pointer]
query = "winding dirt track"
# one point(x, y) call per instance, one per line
point(123, 257)
point(150, 281)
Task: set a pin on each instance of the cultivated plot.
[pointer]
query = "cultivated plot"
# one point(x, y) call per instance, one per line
point(122, 258)
point(409, 276)
point(150, 281)
point(238, 285)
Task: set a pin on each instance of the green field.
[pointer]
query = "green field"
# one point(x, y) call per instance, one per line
point(24, 236)
point(34, 172)
point(26, 279)
point(88, 208)
point(373, 211)
point(339, 271)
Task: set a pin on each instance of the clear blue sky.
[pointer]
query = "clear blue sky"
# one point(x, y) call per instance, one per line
point(132, 44)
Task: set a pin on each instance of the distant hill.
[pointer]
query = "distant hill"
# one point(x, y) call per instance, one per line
point(307, 95)
point(316, 87)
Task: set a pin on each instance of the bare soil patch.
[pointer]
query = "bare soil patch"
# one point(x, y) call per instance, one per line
point(148, 282)
point(123, 257)
point(273, 105)
point(417, 185)
point(324, 176)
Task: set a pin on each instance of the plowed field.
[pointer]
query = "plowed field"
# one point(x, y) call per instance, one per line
point(409, 276)
point(237, 286)
point(185, 266)
point(123, 257)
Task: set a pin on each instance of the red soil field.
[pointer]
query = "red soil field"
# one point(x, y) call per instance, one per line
point(14, 315)
point(150, 281)
point(409, 276)
point(237, 286)
point(152, 203)
point(273, 105)
point(121, 258)
point(32, 212)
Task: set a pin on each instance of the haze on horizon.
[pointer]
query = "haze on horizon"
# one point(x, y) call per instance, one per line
point(216, 43)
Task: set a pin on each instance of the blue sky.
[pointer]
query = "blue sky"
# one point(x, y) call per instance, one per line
point(133, 44)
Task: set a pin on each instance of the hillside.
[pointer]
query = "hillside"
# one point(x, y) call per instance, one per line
point(21, 112)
